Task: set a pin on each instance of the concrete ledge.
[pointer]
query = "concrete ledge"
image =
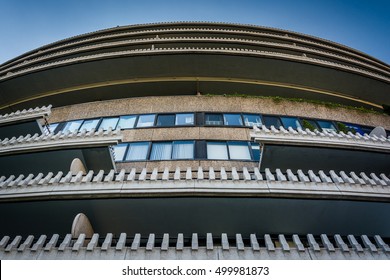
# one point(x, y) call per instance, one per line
point(253, 247)
point(197, 182)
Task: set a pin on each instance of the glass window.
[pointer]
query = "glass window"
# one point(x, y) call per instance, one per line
point(213, 119)
point(239, 150)
point(327, 126)
point(161, 151)
point(137, 151)
point(88, 125)
point(290, 122)
point(271, 120)
point(251, 120)
point(52, 127)
point(126, 122)
point(255, 151)
point(183, 150)
point(119, 151)
point(184, 119)
point(73, 125)
point(108, 122)
point(146, 120)
point(232, 119)
point(310, 124)
point(166, 120)
point(217, 150)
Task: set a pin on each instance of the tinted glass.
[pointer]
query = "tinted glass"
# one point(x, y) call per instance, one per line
point(183, 150)
point(126, 122)
point(239, 150)
point(73, 125)
point(52, 127)
point(217, 150)
point(119, 151)
point(161, 151)
point(251, 120)
point(213, 119)
point(290, 122)
point(184, 119)
point(146, 120)
point(232, 119)
point(89, 124)
point(327, 126)
point(270, 120)
point(137, 151)
point(166, 120)
point(108, 122)
point(255, 151)
point(310, 124)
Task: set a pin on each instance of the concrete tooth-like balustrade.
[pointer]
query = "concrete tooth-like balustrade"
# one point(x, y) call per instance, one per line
point(208, 247)
point(320, 139)
point(22, 115)
point(211, 181)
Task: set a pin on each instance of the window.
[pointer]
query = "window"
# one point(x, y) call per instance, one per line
point(119, 151)
point(184, 119)
point(161, 151)
point(232, 119)
point(108, 122)
point(88, 125)
point(126, 122)
point(310, 124)
point(166, 120)
point(271, 120)
point(146, 120)
point(290, 122)
point(217, 150)
point(239, 150)
point(213, 119)
point(52, 127)
point(251, 120)
point(255, 151)
point(183, 150)
point(73, 125)
point(327, 126)
point(137, 151)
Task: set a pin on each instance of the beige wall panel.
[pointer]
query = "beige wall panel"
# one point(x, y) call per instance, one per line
point(176, 133)
point(224, 133)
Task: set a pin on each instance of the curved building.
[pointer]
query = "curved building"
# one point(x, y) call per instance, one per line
point(194, 140)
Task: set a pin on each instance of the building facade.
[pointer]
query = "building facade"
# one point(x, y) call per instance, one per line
point(194, 140)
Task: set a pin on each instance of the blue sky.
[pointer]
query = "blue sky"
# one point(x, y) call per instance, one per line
point(360, 24)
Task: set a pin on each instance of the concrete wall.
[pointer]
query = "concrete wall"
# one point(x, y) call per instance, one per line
point(143, 105)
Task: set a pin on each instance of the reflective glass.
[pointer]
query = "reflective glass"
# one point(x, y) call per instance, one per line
point(126, 122)
point(327, 126)
point(183, 150)
point(232, 119)
point(52, 127)
point(88, 125)
point(108, 122)
point(217, 150)
point(255, 151)
point(73, 125)
point(184, 119)
point(271, 120)
point(119, 151)
point(239, 150)
point(146, 120)
point(251, 120)
point(290, 122)
point(166, 120)
point(310, 124)
point(161, 151)
point(213, 119)
point(137, 151)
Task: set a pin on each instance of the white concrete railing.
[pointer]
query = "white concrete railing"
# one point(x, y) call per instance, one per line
point(36, 113)
point(335, 185)
point(317, 138)
point(63, 139)
point(210, 247)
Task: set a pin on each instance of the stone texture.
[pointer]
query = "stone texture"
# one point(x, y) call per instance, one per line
point(142, 105)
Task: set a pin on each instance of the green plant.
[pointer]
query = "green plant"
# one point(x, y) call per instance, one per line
point(307, 124)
